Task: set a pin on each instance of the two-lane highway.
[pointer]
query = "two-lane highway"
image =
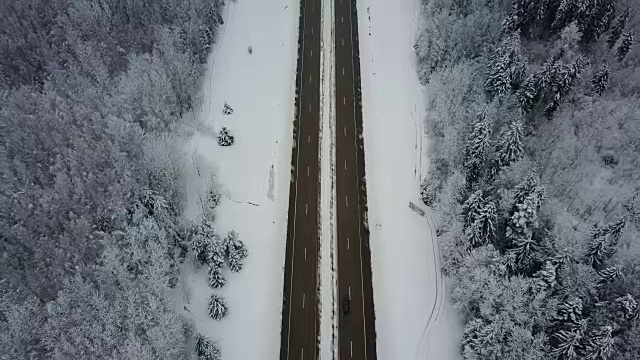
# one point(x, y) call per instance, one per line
point(300, 323)
point(356, 327)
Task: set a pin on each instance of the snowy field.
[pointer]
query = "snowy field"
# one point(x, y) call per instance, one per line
point(413, 319)
point(253, 174)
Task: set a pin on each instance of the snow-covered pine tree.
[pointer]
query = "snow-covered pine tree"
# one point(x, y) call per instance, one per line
point(600, 81)
point(567, 344)
point(627, 307)
point(528, 94)
point(618, 27)
point(522, 16)
point(509, 148)
point(625, 46)
point(217, 306)
point(523, 248)
point(547, 276)
point(486, 220)
point(506, 69)
point(607, 275)
point(604, 241)
point(476, 335)
point(225, 138)
point(594, 19)
point(599, 344)
point(428, 191)
point(569, 314)
point(566, 13)
point(216, 253)
point(236, 251)
point(207, 349)
point(477, 149)
point(472, 207)
point(216, 279)
point(562, 78)
point(202, 241)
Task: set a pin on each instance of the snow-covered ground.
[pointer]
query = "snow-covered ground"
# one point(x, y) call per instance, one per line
point(253, 174)
point(413, 319)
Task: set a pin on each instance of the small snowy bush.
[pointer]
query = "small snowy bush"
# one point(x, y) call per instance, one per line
point(225, 138)
point(217, 307)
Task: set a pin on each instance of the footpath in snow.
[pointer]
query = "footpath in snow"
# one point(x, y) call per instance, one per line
point(252, 175)
point(413, 318)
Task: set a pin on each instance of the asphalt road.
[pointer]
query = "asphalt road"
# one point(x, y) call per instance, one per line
point(356, 329)
point(300, 318)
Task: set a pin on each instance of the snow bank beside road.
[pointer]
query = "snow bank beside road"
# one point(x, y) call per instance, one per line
point(412, 315)
point(253, 174)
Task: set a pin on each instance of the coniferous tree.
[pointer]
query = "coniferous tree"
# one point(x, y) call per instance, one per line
point(522, 16)
point(617, 28)
point(600, 81)
point(607, 275)
point(569, 313)
point(604, 241)
point(477, 149)
point(506, 69)
point(216, 279)
point(472, 207)
point(595, 18)
point(236, 251)
point(207, 349)
point(225, 138)
point(217, 307)
point(599, 344)
point(563, 78)
point(627, 307)
point(567, 344)
point(625, 46)
point(509, 148)
point(547, 276)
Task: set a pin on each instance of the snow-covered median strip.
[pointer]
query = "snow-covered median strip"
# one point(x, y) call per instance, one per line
point(254, 73)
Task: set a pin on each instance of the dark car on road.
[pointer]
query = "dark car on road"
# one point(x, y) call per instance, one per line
point(346, 304)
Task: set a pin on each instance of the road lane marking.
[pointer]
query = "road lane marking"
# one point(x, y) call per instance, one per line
point(302, 354)
point(307, 171)
point(306, 209)
point(303, 298)
point(344, 130)
point(348, 243)
point(309, 78)
point(343, 71)
point(349, 292)
point(342, 41)
point(351, 345)
point(342, 19)
point(344, 100)
point(345, 164)
point(346, 198)
point(305, 253)
point(313, 8)
point(309, 107)
point(308, 138)
point(312, 30)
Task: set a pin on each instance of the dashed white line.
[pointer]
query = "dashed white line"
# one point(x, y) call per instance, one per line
point(349, 292)
point(344, 100)
point(309, 107)
point(342, 41)
point(351, 346)
point(346, 199)
point(312, 30)
point(303, 299)
point(302, 354)
point(307, 171)
point(348, 243)
point(343, 71)
point(308, 138)
point(344, 130)
point(305, 253)
point(345, 164)
point(309, 78)
point(312, 53)
point(342, 19)
point(306, 209)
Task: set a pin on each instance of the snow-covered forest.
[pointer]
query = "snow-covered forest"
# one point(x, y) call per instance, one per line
point(93, 94)
point(532, 114)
